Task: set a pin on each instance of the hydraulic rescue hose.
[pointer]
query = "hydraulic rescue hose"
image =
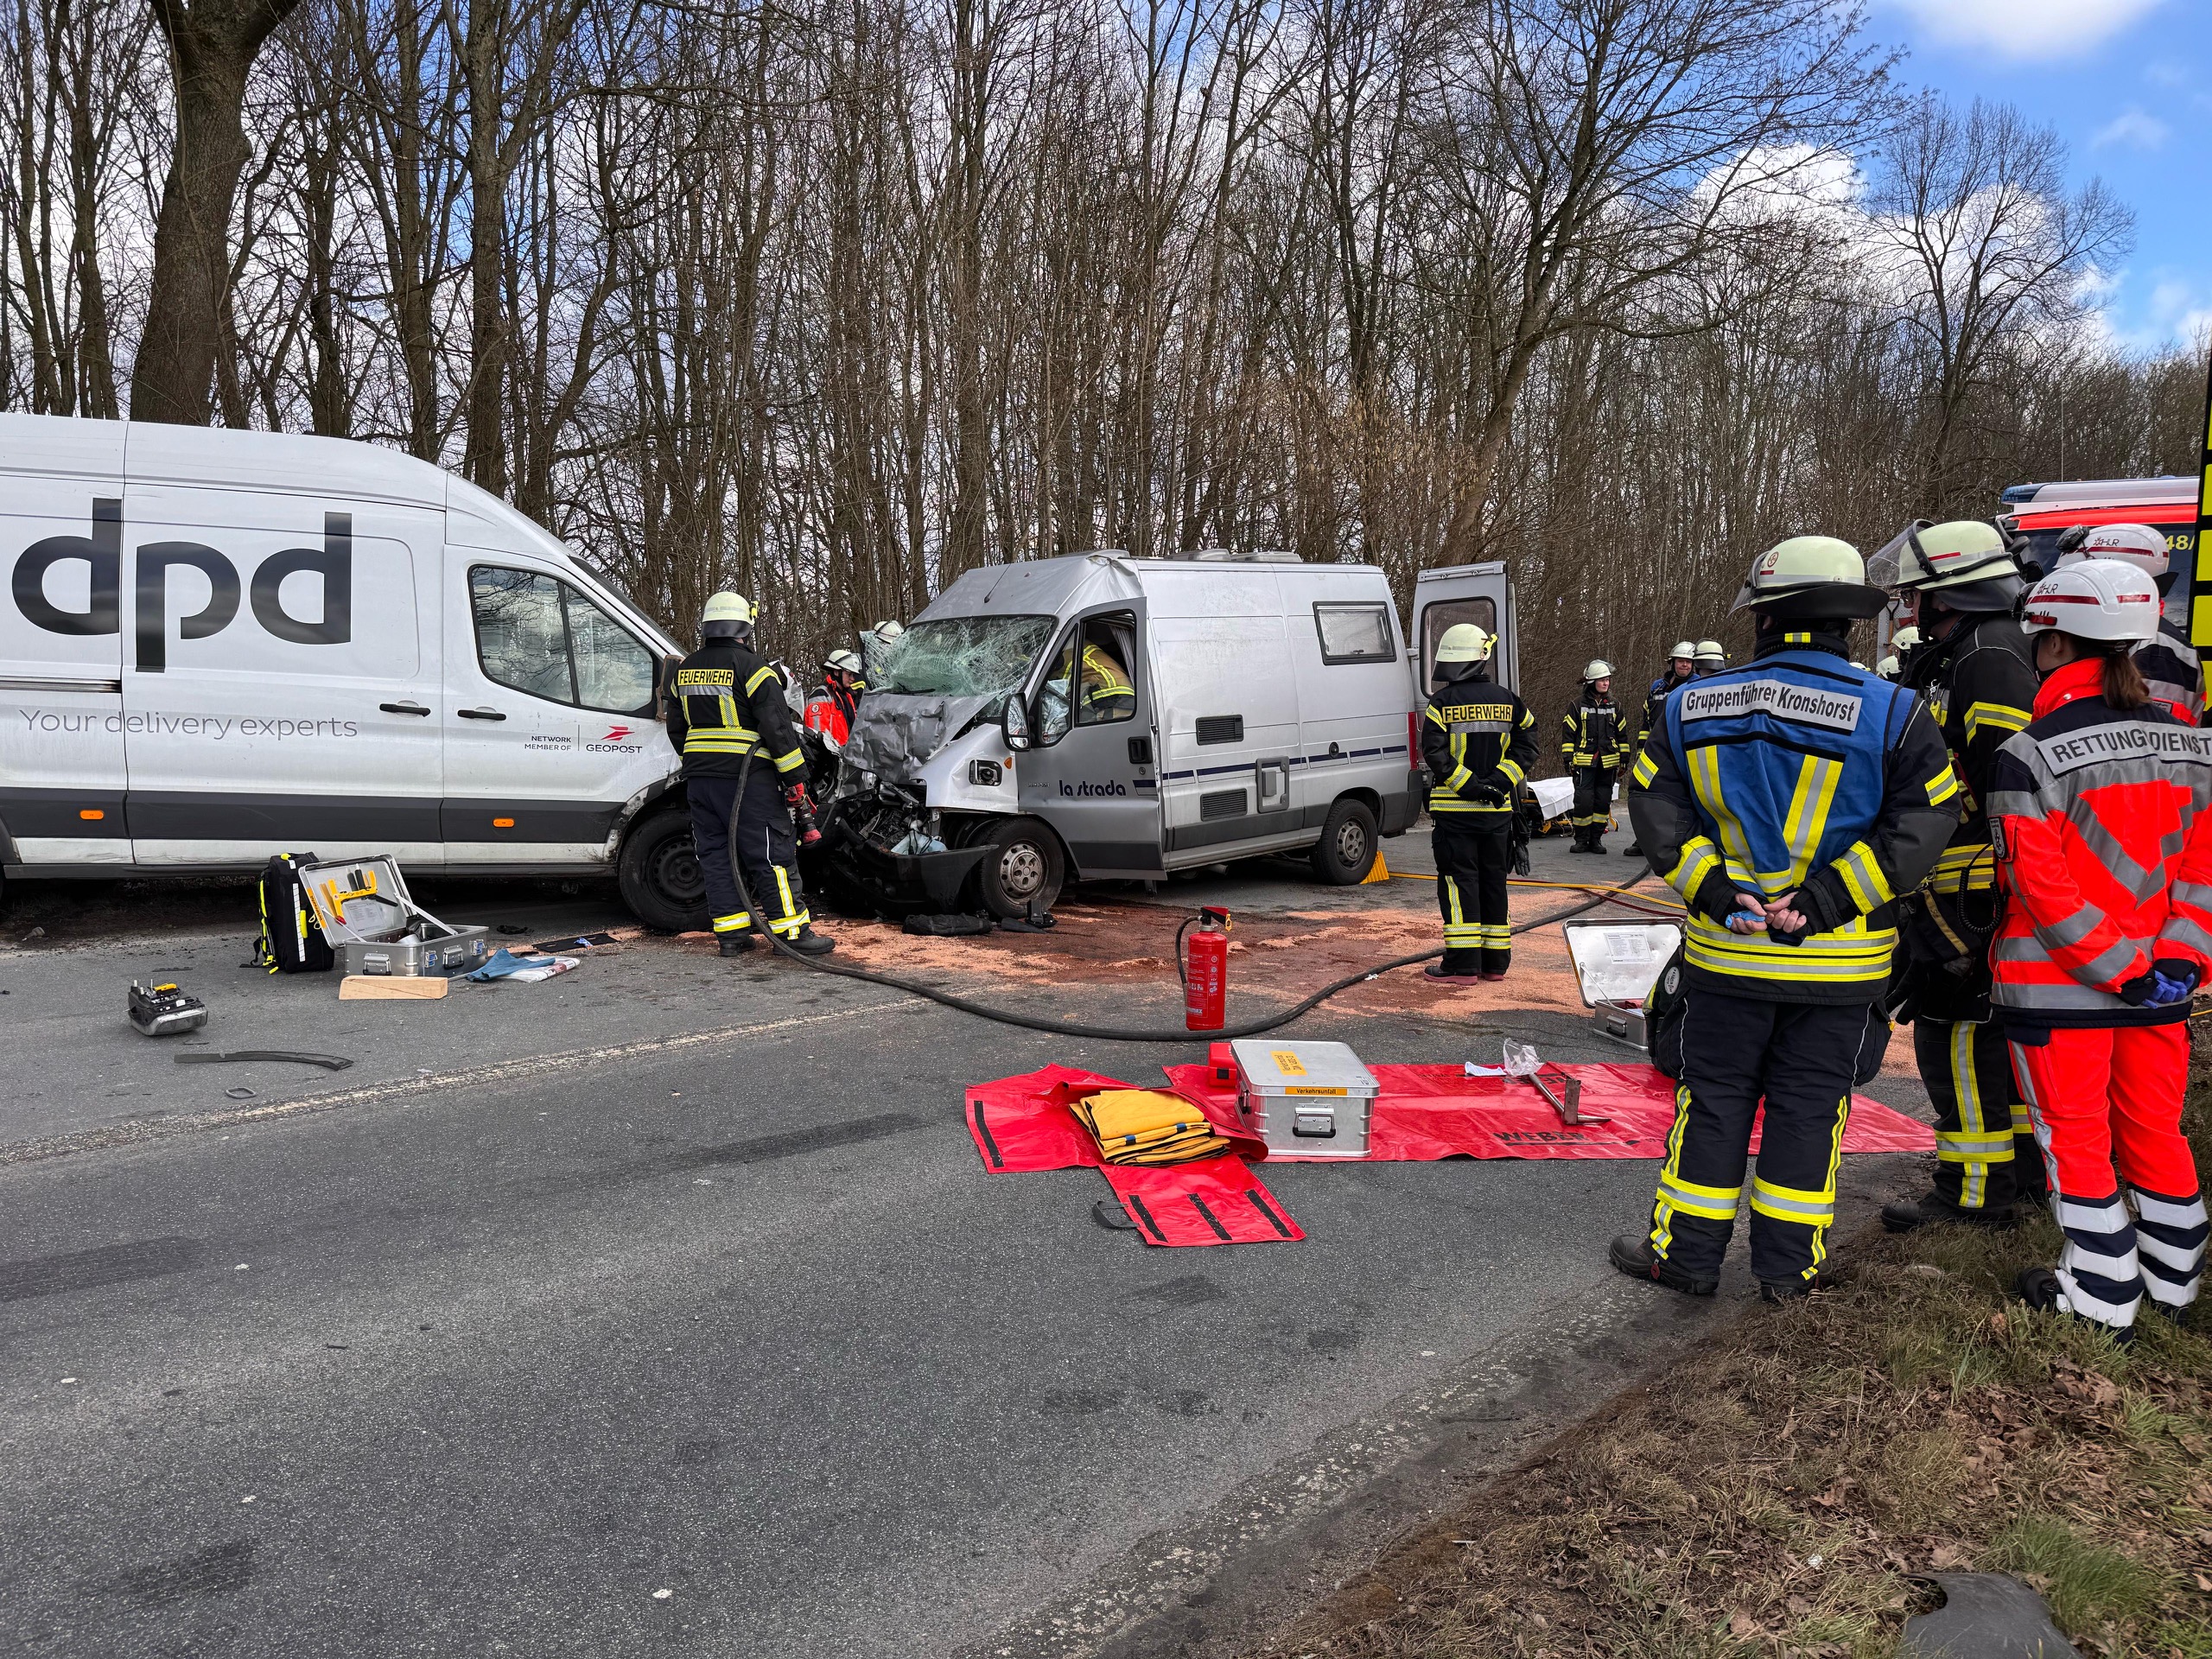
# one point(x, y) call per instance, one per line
point(1068, 1027)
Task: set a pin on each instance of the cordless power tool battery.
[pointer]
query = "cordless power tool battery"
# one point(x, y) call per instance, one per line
point(165, 1010)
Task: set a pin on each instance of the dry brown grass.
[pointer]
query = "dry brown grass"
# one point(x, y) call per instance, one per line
point(1776, 1494)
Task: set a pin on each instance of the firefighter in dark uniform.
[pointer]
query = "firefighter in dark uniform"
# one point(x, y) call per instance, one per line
point(725, 703)
point(2167, 661)
point(1974, 668)
point(1592, 745)
point(1788, 801)
point(1682, 669)
point(1478, 741)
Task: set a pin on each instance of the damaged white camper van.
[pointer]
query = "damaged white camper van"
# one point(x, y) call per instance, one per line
point(1103, 717)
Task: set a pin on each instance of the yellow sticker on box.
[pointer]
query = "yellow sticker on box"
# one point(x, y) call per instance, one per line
point(1313, 1089)
point(1288, 1063)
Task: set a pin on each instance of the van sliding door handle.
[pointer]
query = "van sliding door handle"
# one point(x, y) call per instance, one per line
point(403, 708)
point(481, 713)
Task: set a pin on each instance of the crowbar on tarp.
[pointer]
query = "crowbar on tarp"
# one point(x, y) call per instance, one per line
point(1567, 1102)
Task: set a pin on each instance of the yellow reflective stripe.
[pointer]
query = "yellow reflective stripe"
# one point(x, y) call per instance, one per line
point(1698, 860)
point(1644, 771)
point(1711, 1209)
point(706, 739)
point(1808, 816)
point(791, 762)
point(1704, 779)
point(1862, 874)
point(1942, 785)
point(2002, 716)
point(731, 924)
point(1436, 719)
point(1792, 1204)
point(1513, 772)
point(760, 674)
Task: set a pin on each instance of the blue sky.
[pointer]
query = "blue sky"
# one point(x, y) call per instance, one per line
point(2128, 86)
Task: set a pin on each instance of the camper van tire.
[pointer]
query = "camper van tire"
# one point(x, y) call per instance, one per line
point(1346, 851)
point(658, 873)
point(1024, 866)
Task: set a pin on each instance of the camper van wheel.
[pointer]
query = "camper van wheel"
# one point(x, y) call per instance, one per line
point(1023, 866)
point(658, 873)
point(1346, 851)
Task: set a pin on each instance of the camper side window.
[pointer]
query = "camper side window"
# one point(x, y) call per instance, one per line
point(1355, 633)
point(541, 636)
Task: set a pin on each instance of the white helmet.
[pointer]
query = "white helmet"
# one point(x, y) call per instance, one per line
point(2094, 599)
point(1904, 639)
point(887, 631)
point(1598, 669)
point(1967, 560)
point(1887, 668)
point(1685, 650)
point(2136, 545)
point(1709, 651)
point(1462, 642)
point(845, 661)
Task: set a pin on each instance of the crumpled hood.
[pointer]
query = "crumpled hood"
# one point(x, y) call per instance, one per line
point(896, 733)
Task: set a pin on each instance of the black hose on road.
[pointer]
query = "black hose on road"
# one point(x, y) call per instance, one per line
point(1106, 1033)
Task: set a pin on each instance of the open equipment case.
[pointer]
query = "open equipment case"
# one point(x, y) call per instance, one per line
point(1616, 965)
point(374, 926)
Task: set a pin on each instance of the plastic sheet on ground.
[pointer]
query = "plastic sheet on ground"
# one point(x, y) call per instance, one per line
point(1427, 1112)
point(1024, 1123)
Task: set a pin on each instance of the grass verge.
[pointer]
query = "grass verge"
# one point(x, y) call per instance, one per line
point(1778, 1492)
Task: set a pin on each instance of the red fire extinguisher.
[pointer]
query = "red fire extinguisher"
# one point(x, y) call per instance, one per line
point(1205, 970)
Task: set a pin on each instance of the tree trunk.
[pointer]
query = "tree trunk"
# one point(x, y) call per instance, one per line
point(212, 44)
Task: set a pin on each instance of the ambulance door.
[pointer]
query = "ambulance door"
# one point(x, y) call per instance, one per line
point(1481, 594)
point(550, 724)
point(1092, 770)
point(62, 762)
point(280, 679)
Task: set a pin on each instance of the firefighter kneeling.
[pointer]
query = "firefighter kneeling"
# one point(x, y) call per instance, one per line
point(1788, 801)
point(725, 703)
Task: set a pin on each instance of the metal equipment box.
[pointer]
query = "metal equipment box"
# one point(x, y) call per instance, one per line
point(374, 926)
point(1305, 1100)
point(1616, 964)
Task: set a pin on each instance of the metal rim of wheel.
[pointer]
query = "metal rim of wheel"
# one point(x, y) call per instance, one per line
point(1351, 842)
point(1022, 869)
point(675, 870)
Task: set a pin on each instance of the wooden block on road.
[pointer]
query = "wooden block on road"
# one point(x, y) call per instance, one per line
point(383, 987)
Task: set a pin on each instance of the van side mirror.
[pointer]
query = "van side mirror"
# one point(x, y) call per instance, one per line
point(1014, 724)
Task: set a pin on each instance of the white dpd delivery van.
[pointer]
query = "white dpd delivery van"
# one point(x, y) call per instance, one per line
point(218, 646)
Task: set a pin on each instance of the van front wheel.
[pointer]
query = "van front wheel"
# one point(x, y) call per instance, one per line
point(658, 873)
point(1346, 851)
point(1022, 866)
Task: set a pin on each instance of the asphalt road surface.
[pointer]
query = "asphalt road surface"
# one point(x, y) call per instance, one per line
point(666, 1309)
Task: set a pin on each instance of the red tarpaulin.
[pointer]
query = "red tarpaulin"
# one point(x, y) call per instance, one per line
point(1427, 1112)
point(1423, 1112)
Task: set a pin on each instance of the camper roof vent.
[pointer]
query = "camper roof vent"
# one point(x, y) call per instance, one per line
point(1245, 555)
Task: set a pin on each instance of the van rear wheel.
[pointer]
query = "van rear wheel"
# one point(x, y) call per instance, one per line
point(1346, 851)
point(1022, 866)
point(659, 875)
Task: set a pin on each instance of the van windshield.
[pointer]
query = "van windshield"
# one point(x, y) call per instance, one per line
point(960, 656)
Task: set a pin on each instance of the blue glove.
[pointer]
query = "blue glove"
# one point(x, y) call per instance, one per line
point(2166, 990)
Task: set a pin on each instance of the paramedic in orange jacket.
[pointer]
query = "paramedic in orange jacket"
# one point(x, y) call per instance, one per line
point(2102, 811)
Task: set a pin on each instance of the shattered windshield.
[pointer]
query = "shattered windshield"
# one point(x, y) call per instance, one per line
point(961, 656)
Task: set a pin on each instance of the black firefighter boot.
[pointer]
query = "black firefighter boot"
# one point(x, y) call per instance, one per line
point(1632, 1254)
point(1909, 1214)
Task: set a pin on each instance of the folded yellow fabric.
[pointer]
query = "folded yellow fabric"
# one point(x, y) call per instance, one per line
point(1144, 1126)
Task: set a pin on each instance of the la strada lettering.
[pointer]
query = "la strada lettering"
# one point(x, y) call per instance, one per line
point(101, 553)
point(1088, 791)
point(48, 722)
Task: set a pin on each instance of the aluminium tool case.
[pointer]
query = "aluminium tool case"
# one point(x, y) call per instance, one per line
point(375, 927)
point(1305, 1100)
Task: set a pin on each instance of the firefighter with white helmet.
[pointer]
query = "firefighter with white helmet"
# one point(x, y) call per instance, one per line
point(1971, 667)
point(725, 704)
point(2104, 847)
point(1710, 658)
point(2169, 662)
point(1787, 802)
point(1891, 667)
point(1479, 742)
point(1682, 669)
point(836, 702)
point(1592, 745)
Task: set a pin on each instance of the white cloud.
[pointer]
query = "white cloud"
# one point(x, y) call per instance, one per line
point(2133, 128)
point(2025, 29)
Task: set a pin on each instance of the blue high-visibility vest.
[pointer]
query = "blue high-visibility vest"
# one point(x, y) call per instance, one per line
point(1785, 759)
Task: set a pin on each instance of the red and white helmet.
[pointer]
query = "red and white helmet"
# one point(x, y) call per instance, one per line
point(2136, 545)
point(2093, 599)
